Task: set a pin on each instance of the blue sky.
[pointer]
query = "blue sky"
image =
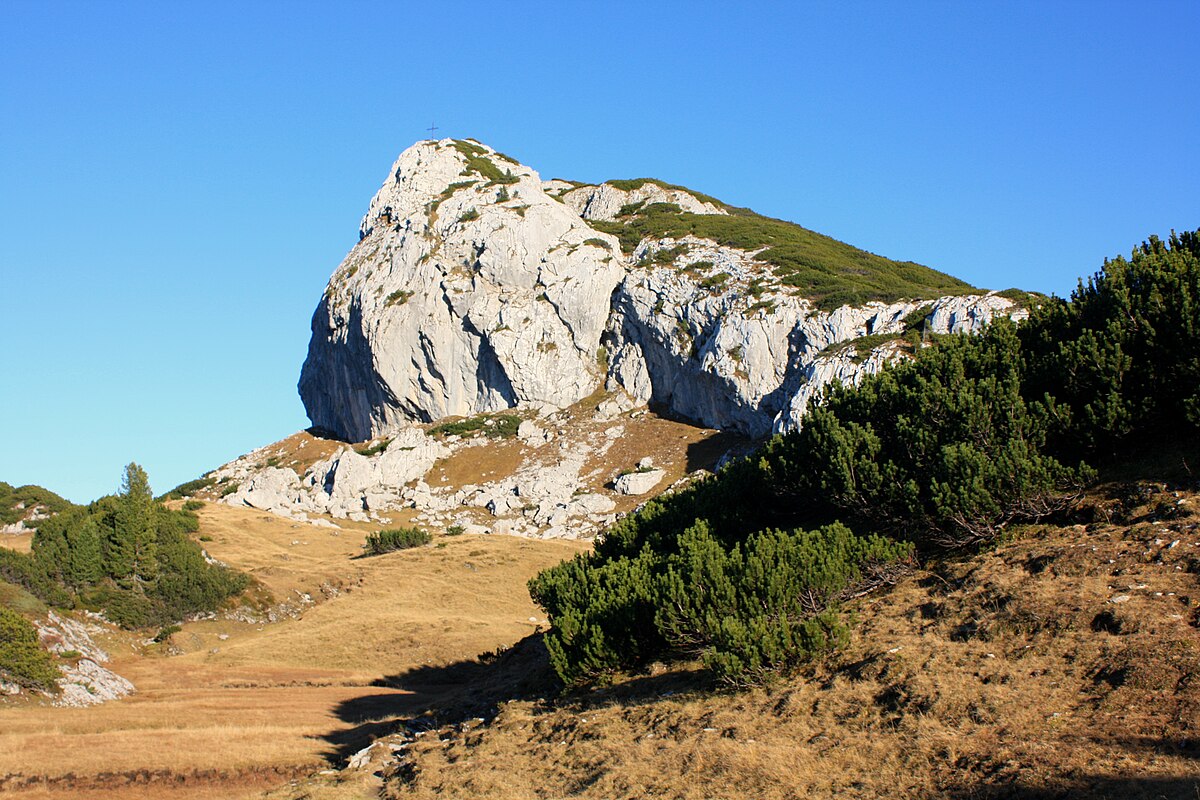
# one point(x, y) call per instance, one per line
point(177, 181)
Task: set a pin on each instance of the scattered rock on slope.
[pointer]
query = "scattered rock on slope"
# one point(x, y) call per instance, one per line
point(86, 681)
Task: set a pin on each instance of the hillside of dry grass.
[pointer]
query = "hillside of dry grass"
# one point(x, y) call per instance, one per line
point(229, 708)
point(1063, 662)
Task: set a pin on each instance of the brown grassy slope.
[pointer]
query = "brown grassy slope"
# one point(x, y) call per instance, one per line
point(1064, 663)
point(244, 706)
point(21, 542)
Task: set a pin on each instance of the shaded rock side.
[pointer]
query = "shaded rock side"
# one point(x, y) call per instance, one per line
point(471, 290)
point(702, 338)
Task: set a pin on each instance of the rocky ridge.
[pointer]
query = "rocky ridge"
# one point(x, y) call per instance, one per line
point(562, 474)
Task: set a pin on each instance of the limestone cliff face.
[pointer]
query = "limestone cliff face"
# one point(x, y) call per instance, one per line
point(753, 362)
point(470, 290)
point(476, 287)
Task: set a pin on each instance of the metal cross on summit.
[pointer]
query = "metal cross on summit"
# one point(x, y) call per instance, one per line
point(432, 127)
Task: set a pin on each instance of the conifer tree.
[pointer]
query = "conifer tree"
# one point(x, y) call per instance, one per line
point(134, 535)
point(84, 566)
point(50, 547)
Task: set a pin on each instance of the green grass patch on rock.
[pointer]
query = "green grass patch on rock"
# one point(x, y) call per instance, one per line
point(500, 426)
point(823, 269)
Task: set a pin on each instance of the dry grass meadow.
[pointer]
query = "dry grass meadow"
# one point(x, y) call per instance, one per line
point(231, 708)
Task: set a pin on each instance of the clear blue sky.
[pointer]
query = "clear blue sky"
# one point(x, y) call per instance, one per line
point(178, 180)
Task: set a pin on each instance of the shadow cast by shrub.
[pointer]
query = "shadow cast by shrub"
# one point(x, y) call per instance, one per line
point(430, 697)
point(427, 697)
point(1093, 787)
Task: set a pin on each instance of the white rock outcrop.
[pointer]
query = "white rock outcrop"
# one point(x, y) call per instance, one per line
point(344, 485)
point(752, 362)
point(85, 681)
point(463, 295)
point(639, 482)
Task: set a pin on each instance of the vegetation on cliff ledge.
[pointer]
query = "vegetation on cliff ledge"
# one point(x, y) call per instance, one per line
point(818, 267)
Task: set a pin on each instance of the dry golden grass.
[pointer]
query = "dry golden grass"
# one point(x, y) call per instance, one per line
point(21, 542)
point(496, 460)
point(1065, 663)
point(245, 706)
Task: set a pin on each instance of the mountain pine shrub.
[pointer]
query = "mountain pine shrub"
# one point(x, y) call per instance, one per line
point(1120, 358)
point(22, 661)
point(936, 453)
point(603, 612)
point(943, 450)
point(770, 602)
point(387, 541)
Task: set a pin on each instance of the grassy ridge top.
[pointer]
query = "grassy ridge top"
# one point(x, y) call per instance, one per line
point(821, 268)
point(28, 497)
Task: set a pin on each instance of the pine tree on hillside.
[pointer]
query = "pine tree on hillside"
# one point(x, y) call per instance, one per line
point(50, 547)
point(133, 549)
point(84, 565)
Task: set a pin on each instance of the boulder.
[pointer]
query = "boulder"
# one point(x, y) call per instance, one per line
point(638, 482)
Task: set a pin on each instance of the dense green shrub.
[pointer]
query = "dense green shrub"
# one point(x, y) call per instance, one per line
point(31, 575)
point(770, 602)
point(125, 608)
point(938, 452)
point(603, 613)
point(28, 497)
point(499, 426)
point(127, 555)
point(22, 661)
point(943, 449)
point(1121, 357)
point(188, 488)
point(187, 584)
point(764, 604)
point(386, 541)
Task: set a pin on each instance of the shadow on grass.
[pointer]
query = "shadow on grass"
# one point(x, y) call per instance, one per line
point(428, 697)
point(707, 453)
point(433, 696)
point(1093, 787)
